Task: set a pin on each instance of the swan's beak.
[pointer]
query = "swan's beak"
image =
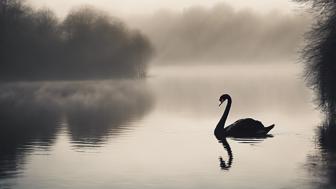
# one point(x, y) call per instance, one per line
point(220, 103)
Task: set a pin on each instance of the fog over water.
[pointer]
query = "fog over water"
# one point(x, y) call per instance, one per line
point(130, 134)
point(235, 80)
point(133, 102)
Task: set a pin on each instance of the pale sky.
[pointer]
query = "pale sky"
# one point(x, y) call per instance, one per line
point(127, 7)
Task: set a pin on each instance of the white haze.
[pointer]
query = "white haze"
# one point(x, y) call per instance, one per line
point(224, 34)
point(148, 6)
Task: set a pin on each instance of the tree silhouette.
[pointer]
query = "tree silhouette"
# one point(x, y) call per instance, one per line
point(87, 44)
point(319, 55)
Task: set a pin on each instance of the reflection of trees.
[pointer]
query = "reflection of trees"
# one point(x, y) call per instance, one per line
point(320, 55)
point(105, 112)
point(322, 164)
point(31, 114)
point(25, 121)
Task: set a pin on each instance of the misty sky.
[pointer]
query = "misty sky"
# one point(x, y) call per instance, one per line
point(147, 6)
point(203, 29)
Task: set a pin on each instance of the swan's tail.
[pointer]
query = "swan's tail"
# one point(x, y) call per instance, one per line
point(267, 129)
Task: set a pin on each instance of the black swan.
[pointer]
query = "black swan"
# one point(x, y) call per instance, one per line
point(247, 127)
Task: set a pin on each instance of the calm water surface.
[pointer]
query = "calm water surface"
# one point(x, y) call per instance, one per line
point(158, 133)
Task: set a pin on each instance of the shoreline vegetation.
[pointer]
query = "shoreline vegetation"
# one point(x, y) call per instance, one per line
point(88, 44)
point(319, 56)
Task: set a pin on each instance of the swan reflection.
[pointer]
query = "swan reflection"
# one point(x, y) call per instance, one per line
point(226, 165)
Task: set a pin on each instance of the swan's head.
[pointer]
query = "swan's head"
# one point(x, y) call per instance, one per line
point(223, 98)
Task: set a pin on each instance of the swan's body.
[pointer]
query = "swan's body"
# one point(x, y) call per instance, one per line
point(242, 128)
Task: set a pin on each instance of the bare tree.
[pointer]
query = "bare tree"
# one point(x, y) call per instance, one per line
point(319, 54)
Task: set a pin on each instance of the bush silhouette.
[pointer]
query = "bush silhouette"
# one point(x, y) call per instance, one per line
point(87, 44)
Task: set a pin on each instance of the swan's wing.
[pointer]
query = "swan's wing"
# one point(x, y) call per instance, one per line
point(229, 128)
point(244, 126)
point(248, 123)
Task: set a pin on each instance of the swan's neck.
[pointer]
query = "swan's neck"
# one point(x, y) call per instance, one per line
point(221, 123)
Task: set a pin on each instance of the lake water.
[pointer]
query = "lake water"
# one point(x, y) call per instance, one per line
point(158, 133)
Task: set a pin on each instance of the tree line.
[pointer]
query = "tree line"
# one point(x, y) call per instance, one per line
point(86, 44)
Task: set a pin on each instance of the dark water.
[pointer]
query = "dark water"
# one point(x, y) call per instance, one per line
point(158, 133)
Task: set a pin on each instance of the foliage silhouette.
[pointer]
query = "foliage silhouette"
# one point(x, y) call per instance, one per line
point(87, 44)
point(319, 55)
